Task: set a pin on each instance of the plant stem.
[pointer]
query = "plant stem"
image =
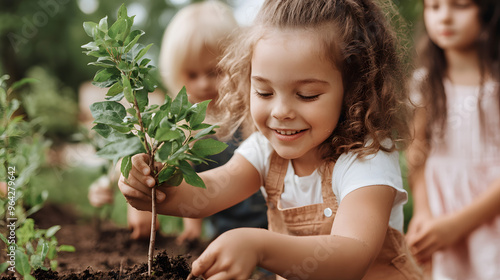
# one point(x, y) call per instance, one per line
point(151, 153)
point(152, 238)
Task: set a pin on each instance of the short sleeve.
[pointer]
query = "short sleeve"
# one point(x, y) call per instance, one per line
point(352, 172)
point(257, 150)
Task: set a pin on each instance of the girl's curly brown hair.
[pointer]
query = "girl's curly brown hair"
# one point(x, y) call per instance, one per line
point(359, 43)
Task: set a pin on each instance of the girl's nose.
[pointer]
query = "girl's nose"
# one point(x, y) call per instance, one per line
point(445, 13)
point(283, 109)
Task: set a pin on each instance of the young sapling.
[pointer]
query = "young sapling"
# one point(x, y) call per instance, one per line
point(173, 134)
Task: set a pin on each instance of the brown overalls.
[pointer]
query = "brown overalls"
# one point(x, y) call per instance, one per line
point(394, 260)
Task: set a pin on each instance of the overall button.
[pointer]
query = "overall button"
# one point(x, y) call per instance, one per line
point(328, 212)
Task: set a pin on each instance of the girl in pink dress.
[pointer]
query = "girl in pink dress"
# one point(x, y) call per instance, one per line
point(455, 158)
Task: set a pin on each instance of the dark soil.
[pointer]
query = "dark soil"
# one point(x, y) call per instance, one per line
point(105, 251)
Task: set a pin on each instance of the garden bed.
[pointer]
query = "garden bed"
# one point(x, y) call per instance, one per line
point(105, 251)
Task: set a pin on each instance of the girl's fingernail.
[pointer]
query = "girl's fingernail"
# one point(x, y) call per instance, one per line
point(151, 182)
point(145, 171)
point(160, 195)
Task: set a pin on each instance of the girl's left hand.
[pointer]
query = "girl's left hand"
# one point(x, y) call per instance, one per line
point(233, 255)
point(434, 235)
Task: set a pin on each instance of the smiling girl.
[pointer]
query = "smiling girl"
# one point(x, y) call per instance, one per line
point(318, 82)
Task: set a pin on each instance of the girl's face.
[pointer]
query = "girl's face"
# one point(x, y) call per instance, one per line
point(452, 24)
point(200, 76)
point(296, 93)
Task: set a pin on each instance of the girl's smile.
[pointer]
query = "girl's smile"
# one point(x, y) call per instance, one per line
point(296, 93)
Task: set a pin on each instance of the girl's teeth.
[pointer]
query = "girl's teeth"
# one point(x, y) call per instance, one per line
point(288, 132)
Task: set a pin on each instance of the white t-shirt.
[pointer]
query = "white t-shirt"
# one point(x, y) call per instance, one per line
point(350, 173)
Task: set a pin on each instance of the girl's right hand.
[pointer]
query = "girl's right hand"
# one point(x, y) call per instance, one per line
point(137, 187)
point(417, 223)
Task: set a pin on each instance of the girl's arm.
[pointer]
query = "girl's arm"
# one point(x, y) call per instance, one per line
point(225, 186)
point(356, 238)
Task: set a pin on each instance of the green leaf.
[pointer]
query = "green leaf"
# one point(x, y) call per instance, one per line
point(36, 261)
point(4, 266)
point(208, 147)
point(200, 126)
point(115, 89)
point(166, 174)
point(197, 112)
point(45, 250)
point(122, 12)
point(101, 64)
point(118, 30)
point(204, 132)
point(190, 175)
point(90, 28)
point(118, 149)
point(52, 230)
point(22, 263)
point(111, 113)
point(142, 52)
point(103, 129)
point(178, 155)
point(164, 134)
point(103, 24)
point(66, 248)
point(149, 83)
point(106, 75)
point(127, 89)
point(142, 100)
point(22, 82)
point(180, 104)
point(4, 239)
point(145, 62)
point(126, 166)
point(166, 150)
point(132, 39)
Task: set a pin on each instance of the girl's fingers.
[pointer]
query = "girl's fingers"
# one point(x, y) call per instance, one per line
point(136, 193)
point(141, 163)
point(202, 265)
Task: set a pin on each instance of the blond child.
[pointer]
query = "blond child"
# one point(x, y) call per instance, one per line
point(455, 158)
point(192, 46)
point(319, 82)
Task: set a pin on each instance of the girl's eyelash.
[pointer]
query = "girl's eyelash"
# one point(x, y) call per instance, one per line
point(263, 94)
point(308, 97)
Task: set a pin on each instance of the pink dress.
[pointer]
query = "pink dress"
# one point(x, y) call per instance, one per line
point(459, 168)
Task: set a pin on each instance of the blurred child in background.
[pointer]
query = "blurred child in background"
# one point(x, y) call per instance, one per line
point(455, 158)
point(192, 46)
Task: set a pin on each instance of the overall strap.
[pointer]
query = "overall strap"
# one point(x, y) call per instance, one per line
point(326, 185)
point(275, 179)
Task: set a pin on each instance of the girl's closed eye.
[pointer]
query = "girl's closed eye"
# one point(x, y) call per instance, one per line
point(308, 97)
point(263, 94)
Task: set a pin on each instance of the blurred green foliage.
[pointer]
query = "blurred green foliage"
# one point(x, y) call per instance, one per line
point(49, 33)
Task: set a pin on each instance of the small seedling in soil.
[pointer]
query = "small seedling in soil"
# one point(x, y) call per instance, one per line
point(172, 134)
